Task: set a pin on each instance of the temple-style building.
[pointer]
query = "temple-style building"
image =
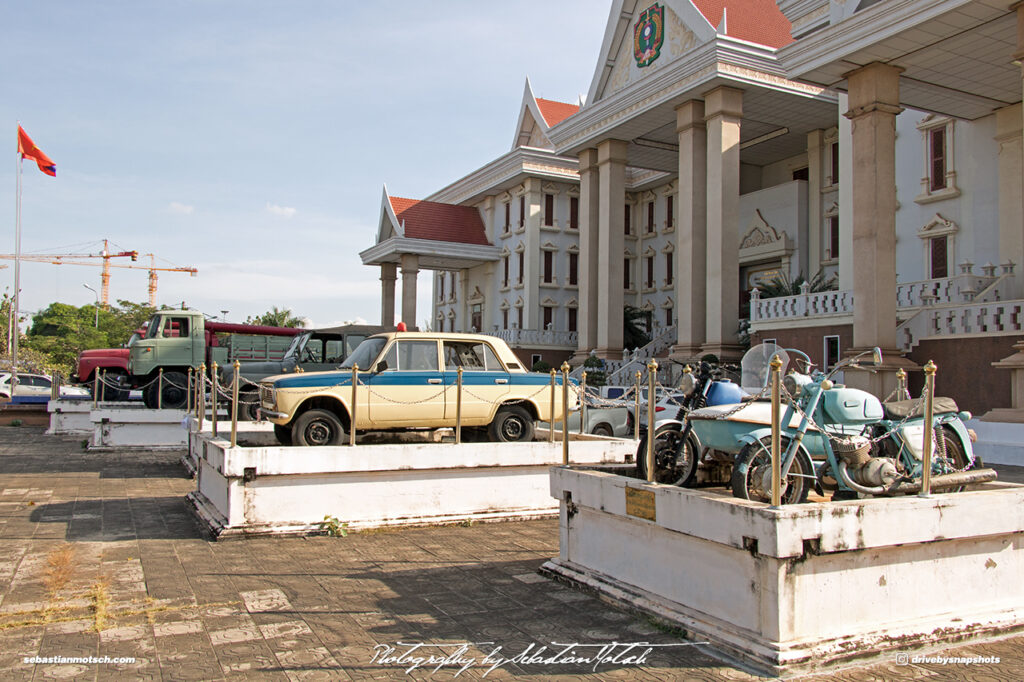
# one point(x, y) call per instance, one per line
point(728, 149)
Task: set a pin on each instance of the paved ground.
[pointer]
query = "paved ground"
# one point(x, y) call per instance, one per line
point(99, 557)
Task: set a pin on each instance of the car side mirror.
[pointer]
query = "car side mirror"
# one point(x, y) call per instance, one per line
point(382, 366)
point(876, 355)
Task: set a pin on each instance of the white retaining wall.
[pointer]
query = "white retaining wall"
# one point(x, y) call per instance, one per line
point(69, 417)
point(999, 442)
point(803, 586)
point(120, 427)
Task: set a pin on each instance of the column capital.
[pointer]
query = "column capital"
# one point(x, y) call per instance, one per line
point(388, 271)
point(723, 101)
point(410, 263)
point(588, 160)
point(690, 115)
point(611, 151)
point(875, 83)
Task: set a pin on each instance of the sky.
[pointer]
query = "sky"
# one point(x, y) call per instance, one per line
point(252, 139)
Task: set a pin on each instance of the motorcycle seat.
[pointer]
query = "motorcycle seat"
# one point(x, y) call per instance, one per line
point(901, 409)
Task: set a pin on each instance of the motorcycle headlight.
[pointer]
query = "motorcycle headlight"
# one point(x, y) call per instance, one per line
point(687, 383)
point(791, 385)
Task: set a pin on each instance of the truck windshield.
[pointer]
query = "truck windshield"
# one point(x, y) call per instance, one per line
point(365, 354)
point(296, 346)
point(154, 327)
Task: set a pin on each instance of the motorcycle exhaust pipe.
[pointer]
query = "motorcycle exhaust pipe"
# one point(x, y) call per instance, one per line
point(942, 481)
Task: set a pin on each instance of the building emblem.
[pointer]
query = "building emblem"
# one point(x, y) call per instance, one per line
point(649, 35)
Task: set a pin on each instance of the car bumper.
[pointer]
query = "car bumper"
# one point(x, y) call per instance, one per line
point(275, 416)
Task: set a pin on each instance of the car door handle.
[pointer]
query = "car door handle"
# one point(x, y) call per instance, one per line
point(433, 381)
point(501, 381)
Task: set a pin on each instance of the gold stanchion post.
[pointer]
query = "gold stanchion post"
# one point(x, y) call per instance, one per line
point(201, 395)
point(213, 397)
point(551, 413)
point(565, 413)
point(901, 384)
point(96, 388)
point(352, 414)
point(103, 387)
point(652, 373)
point(458, 406)
point(54, 387)
point(776, 366)
point(929, 413)
point(237, 366)
point(583, 403)
point(160, 390)
point(636, 407)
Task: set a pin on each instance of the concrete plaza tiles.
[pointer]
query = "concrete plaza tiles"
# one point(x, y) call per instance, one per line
point(296, 608)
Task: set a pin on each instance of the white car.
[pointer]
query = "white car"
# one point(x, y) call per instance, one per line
point(37, 386)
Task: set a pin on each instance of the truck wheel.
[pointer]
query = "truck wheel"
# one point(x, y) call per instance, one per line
point(317, 427)
point(512, 424)
point(175, 392)
point(248, 405)
point(283, 434)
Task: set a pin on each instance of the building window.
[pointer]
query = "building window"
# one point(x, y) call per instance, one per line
point(670, 211)
point(626, 279)
point(937, 158)
point(549, 266)
point(535, 358)
point(627, 228)
point(522, 211)
point(939, 178)
point(549, 209)
point(522, 265)
point(939, 247)
point(477, 317)
point(835, 163)
point(801, 174)
point(451, 324)
point(574, 213)
point(668, 268)
point(519, 317)
point(440, 286)
point(574, 260)
point(831, 351)
point(549, 314)
point(650, 216)
point(504, 265)
point(668, 317)
point(572, 319)
point(649, 263)
point(832, 238)
point(504, 319)
point(508, 216)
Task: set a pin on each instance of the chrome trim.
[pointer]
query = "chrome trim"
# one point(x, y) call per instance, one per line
point(274, 415)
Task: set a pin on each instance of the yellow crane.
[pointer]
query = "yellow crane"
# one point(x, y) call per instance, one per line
point(106, 255)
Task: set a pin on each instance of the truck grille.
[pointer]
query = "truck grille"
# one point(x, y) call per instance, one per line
point(267, 395)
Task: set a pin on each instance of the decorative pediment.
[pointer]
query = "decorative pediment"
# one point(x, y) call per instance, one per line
point(519, 191)
point(505, 197)
point(670, 188)
point(505, 252)
point(649, 252)
point(572, 248)
point(668, 303)
point(549, 302)
point(548, 246)
point(649, 195)
point(504, 304)
point(937, 227)
point(763, 242)
point(549, 188)
point(668, 248)
point(440, 315)
point(832, 210)
point(573, 191)
point(628, 253)
point(648, 306)
point(451, 314)
point(520, 247)
point(477, 296)
point(519, 302)
point(572, 303)
point(760, 233)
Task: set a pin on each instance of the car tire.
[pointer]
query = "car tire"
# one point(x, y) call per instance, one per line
point(317, 428)
point(512, 424)
point(603, 430)
point(283, 434)
point(248, 406)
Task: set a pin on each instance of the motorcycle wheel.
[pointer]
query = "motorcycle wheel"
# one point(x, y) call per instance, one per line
point(666, 440)
point(956, 458)
point(751, 474)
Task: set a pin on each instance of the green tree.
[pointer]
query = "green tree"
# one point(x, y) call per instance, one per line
point(276, 317)
point(781, 285)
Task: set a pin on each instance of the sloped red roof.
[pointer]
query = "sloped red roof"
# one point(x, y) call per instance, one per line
point(555, 112)
point(758, 21)
point(440, 222)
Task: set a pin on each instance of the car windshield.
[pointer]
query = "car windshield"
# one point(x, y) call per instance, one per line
point(296, 346)
point(154, 327)
point(365, 354)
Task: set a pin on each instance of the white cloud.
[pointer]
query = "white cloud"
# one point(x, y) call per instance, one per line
point(180, 208)
point(283, 211)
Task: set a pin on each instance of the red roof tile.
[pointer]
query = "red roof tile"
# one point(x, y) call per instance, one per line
point(758, 21)
point(555, 112)
point(440, 222)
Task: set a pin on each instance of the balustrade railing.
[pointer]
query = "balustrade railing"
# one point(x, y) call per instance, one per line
point(999, 317)
point(536, 337)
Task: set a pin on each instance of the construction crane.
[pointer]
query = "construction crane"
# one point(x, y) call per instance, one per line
point(106, 255)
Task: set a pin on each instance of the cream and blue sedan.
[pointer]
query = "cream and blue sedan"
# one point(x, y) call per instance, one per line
point(408, 380)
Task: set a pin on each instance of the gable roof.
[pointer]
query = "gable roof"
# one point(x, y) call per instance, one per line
point(435, 221)
point(756, 21)
point(555, 112)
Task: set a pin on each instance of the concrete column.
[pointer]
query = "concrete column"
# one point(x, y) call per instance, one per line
point(723, 110)
point(387, 297)
point(531, 272)
point(588, 274)
point(874, 103)
point(1011, 190)
point(815, 219)
point(691, 232)
point(410, 269)
point(611, 160)
point(463, 323)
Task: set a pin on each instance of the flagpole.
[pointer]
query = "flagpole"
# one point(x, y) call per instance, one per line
point(17, 279)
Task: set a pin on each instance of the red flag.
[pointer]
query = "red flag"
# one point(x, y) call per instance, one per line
point(28, 150)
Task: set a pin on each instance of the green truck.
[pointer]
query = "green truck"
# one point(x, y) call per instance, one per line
point(177, 340)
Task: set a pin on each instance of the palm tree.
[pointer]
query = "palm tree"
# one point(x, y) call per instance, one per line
point(282, 317)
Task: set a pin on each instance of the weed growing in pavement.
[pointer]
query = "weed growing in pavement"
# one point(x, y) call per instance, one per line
point(59, 567)
point(666, 628)
point(333, 527)
point(100, 602)
point(466, 523)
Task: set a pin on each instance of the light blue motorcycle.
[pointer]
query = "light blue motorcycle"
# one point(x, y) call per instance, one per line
point(834, 438)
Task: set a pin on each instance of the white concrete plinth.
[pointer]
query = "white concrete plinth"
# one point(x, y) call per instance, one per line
point(133, 428)
point(999, 442)
point(805, 586)
point(291, 489)
point(71, 417)
point(249, 434)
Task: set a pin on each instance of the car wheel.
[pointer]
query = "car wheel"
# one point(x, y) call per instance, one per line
point(317, 427)
point(602, 430)
point(283, 434)
point(248, 406)
point(512, 424)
